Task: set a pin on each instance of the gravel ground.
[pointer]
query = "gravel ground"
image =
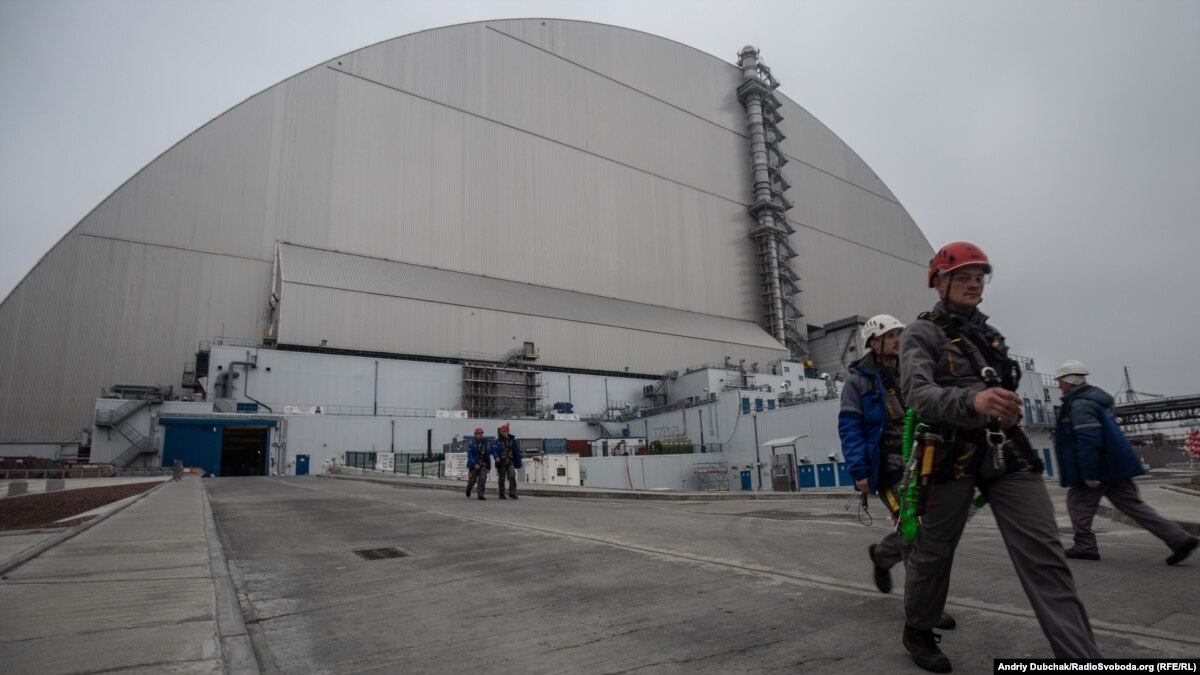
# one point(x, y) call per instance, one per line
point(40, 511)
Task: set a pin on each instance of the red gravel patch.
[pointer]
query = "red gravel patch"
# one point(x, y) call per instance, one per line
point(39, 511)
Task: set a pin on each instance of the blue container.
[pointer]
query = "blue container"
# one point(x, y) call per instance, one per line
point(554, 446)
point(826, 475)
point(843, 475)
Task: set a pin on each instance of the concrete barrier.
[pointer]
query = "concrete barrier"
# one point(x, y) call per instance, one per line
point(53, 484)
point(17, 487)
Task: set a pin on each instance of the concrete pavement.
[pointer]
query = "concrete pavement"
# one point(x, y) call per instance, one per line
point(148, 588)
point(144, 589)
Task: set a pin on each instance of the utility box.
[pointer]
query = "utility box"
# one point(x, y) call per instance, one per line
point(556, 469)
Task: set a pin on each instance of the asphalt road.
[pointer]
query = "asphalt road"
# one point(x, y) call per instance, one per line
point(555, 585)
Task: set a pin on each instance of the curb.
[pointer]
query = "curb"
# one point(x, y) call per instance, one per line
point(31, 553)
point(237, 649)
point(544, 491)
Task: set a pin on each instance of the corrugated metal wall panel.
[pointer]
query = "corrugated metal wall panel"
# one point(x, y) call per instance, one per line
point(359, 321)
point(513, 83)
point(327, 269)
point(676, 73)
point(837, 287)
point(118, 313)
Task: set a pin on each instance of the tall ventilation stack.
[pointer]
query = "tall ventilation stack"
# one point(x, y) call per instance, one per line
point(778, 284)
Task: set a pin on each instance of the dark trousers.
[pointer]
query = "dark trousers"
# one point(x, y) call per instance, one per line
point(507, 470)
point(477, 478)
point(1025, 517)
point(1083, 501)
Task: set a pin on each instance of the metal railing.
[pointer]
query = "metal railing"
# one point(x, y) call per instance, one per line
point(27, 474)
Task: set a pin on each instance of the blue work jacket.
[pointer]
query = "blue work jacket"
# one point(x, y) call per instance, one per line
point(1088, 441)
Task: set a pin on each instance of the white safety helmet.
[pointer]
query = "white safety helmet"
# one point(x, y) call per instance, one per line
point(1069, 369)
point(878, 326)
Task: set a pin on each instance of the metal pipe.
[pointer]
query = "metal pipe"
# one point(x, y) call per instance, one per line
point(246, 388)
point(375, 406)
point(757, 453)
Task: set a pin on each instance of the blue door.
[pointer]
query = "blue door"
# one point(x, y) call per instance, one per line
point(301, 465)
point(807, 473)
point(195, 444)
point(843, 475)
point(1049, 455)
point(826, 475)
point(746, 481)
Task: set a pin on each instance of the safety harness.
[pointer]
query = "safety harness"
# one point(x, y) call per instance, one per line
point(925, 446)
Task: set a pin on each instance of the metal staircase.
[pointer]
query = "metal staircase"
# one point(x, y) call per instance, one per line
point(118, 418)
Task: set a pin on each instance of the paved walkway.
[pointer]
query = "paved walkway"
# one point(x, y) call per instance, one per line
point(143, 588)
point(146, 588)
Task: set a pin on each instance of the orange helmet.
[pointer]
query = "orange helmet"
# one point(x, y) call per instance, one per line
point(503, 427)
point(955, 255)
point(479, 430)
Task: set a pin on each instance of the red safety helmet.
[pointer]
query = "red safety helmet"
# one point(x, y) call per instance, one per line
point(503, 427)
point(955, 255)
point(479, 430)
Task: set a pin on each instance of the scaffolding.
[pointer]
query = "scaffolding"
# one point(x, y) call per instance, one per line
point(713, 476)
point(501, 391)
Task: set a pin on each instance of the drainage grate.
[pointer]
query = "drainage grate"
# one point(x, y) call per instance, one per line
point(379, 553)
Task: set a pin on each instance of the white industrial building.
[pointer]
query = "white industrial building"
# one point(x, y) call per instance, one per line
point(492, 217)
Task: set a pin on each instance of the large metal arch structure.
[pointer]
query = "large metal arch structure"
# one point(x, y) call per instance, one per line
point(564, 155)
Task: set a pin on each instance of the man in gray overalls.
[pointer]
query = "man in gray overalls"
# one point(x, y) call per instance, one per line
point(956, 373)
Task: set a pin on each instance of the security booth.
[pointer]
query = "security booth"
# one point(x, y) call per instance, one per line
point(783, 463)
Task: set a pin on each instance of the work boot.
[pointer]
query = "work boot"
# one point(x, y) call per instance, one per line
point(468, 491)
point(502, 496)
point(947, 622)
point(512, 496)
point(1076, 554)
point(1183, 551)
point(883, 576)
point(481, 495)
point(923, 646)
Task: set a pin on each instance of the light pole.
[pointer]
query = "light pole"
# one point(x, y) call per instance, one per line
point(757, 453)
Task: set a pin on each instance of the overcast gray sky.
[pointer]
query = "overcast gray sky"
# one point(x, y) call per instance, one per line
point(1063, 137)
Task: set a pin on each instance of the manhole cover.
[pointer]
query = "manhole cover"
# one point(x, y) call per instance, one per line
point(379, 553)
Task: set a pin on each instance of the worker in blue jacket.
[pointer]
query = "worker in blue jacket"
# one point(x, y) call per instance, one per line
point(507, 453)
point(479, 462)
point(1095, 460)
point(871, 426)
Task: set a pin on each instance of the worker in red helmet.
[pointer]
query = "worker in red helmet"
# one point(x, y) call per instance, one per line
point(956, 373)
point(479, 462)
point(507, 453)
